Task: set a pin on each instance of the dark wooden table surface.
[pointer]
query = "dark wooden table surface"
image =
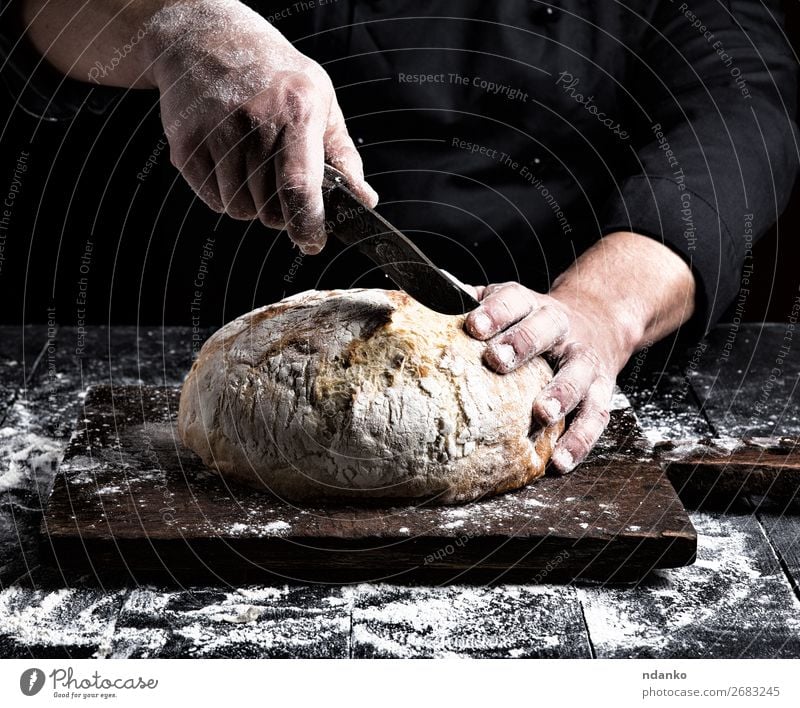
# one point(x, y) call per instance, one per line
point(740, 599)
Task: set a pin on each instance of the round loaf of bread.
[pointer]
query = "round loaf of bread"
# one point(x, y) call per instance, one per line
point(361, 395)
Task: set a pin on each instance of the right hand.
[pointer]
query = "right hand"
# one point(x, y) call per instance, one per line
point(249, 119)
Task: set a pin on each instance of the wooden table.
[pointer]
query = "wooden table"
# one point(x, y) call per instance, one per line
point(739, 600)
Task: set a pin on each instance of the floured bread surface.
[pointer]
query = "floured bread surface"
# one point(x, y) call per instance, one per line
point(361, 394)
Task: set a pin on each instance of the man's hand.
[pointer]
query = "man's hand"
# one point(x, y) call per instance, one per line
point(625, 290)
point(519, 324)
point(250, 120)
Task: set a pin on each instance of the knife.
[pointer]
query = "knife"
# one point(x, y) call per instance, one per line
point(355, 224)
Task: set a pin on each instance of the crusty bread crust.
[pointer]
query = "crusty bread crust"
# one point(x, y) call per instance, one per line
point(361, 395)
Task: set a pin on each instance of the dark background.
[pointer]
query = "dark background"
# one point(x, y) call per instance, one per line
point(138, 244)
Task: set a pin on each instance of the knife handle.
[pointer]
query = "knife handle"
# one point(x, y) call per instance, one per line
point(345, 213)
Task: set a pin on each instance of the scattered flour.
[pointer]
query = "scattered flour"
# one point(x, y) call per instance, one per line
point(68, 617)
point(250, 621)
point(619, 401)
point(273, 528)
point(730, 591)
point(503, 621)
point(29, 460)
point(453, 524)
point(277, 527)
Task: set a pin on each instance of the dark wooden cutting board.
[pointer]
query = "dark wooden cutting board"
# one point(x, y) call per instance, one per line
point(716, 472)
point(131, 504)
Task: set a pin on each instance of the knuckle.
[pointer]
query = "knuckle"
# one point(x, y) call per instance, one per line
point(271, 210)
point(512, 288)
point(598, 413)
point(186, 143)
point(558, 318)
point(180, 155)
point(506, 301)
point(569, 390)
point(316, 75)
point(605, 384)
point(210, 198)
point(270, 215)
point(585, 354)
point(591, 357)
point(525, 342)
point(300, 94)
point(240, 211)
point(255, 113)
point(197, 174)
point(297, 184)
point(343, 155)
point(303, 222)
point(175, 159)
point(585, 440)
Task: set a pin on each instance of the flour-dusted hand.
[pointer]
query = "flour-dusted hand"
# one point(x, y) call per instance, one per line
point(249, 119)
point(520, 324)
point(623, 292)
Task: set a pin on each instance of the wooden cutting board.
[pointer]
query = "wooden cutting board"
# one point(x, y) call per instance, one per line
point(131, 504)
point(713, 473)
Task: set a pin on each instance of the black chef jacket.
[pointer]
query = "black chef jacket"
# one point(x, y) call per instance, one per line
point(507, 137)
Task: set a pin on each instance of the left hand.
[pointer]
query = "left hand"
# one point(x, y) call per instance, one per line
point(588, 350)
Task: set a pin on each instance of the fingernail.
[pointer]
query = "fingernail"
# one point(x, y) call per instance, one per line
point(563, 460)
point(311, 248)
point(315, 245)
point(481, 324)
point(504, 353)
point(552, 410)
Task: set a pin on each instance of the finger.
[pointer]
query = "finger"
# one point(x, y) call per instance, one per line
point(273, 213)
point(342, 154)
point(198, 171)
point(537, 333)
point(209, 194)
point(480, 291)
point(263, 192)
point(580, 367)
point(586, 429)
point(231, 171)
point(494, 287)
point(501, 308)
point(299, 166)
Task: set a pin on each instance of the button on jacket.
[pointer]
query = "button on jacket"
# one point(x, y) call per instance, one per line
point(507, 137)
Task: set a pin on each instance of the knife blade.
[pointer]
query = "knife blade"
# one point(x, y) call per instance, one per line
point(355, 224)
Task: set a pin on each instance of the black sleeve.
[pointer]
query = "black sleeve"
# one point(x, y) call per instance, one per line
point(717, 83)
point(36, 87)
